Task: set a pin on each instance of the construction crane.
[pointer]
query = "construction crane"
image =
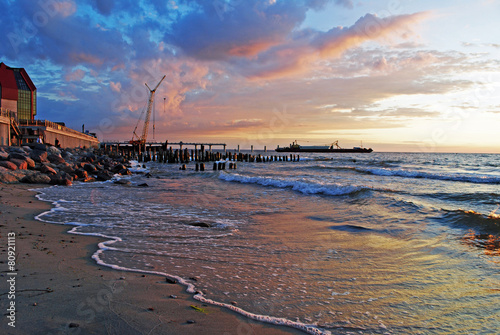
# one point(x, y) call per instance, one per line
point(136, 140)
point(335, 145)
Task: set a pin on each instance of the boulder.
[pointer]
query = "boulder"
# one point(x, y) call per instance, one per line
point(61, 178)
point(48, 170)
point(20, 174)
point(6, 176)
point(17, 155)
point(36, 178)
point(66, 168)
point(39, 156)
point(8, 165)
point(125, 172)
point(122, 182)
point(117, 168)
point(90, 168)
point(54, 151)
point(31, 163)
point(56, 159)
point(40, 147)
point(104, 175)
point(16, 150)
point(81, 174)
point(68, 156)
point(21, 163)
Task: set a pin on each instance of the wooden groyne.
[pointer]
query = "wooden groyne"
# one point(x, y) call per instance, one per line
point(158, 152)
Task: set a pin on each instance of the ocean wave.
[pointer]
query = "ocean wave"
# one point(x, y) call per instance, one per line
point(468, 178)
point(299, 186)
point(484, 222)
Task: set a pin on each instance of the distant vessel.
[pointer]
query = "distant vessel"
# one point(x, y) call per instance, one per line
point(334, 147)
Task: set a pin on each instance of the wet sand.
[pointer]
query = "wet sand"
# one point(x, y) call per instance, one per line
point(59, 289)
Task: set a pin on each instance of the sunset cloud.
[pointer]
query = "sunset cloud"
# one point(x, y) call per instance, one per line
point(254, 69)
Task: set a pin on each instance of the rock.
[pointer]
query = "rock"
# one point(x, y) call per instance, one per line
point(81, 174)
point(122, 182)
point(117, 168)
point(21, 163)
point(125, 172)
point(54, 151)
point(6, 177)
point(171, 280)
point(20, 174)
point(66, 168)
point(8, 165)
point(191, 321)
point(73, 325)
point(17, 155)
point(55, 159)
point(37, 178)
point(67, 155)
point(60, 179)
point(89, 180)
point(143, 185)
point(91, 157)
point(39, 156)
point(104, 175)
point(48, 170)
point(30, 162)
point(40, 147)
point(16, 149)
point(90, 168)
point(200, 224)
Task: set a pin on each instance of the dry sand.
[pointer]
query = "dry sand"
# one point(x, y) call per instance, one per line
point(59, 289)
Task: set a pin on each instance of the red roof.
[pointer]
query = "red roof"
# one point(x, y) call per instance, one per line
point(8, 83)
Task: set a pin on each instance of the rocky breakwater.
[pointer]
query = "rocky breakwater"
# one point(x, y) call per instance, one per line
point(42, 164)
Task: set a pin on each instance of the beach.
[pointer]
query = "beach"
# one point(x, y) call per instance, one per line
point(373, 243)
point(59, 289)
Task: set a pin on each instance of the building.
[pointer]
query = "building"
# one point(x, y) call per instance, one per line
point(17, 92)
point(17, 115)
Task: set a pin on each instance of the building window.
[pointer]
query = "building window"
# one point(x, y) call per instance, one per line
point(26, 102)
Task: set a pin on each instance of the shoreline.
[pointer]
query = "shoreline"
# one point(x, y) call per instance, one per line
point(59, 288)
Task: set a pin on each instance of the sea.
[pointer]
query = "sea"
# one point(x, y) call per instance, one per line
point(379, 243)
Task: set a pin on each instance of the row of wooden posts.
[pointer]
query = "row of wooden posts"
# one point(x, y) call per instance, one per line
point(200, 157)
point(186, 156)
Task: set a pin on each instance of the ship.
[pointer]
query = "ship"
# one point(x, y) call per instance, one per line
point(334, 147)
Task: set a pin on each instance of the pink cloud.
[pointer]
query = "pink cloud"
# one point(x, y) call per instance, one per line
point(66, 8)
point(116, 87)
point(298, 55)
point(85, 58)
point(76, 75)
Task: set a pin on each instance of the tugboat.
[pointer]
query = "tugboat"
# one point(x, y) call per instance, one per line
point(334, 147)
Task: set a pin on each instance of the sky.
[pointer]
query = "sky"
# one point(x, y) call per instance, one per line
point(395, 75)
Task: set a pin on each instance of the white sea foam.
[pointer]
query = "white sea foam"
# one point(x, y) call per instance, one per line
point(299, 186)
point(198, 295)
point(466, 177)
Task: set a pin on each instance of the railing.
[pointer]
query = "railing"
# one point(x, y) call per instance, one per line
point(50, 124)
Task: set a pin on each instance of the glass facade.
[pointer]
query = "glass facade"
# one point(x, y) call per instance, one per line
point(26, 102)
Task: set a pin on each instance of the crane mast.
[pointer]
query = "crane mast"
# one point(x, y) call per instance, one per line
point(142, 139)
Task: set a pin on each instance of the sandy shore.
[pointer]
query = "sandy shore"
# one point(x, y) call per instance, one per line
point(60, 290)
